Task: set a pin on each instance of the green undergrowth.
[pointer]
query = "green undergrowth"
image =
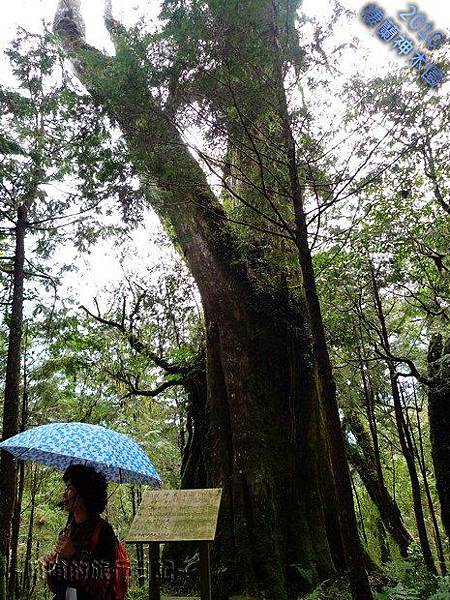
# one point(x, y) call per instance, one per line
point(401, 579)
point(412, 581)
point(330, 591)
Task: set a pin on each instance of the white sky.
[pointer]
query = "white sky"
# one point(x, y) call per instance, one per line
point(372, 54)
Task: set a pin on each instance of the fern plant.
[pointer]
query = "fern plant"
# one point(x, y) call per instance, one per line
point(399, 592)
point(443, 589)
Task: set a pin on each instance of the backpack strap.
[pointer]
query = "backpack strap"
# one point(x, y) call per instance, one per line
point(96, 534)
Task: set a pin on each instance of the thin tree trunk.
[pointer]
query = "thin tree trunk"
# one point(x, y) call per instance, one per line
point(369, 396)
point(394, 477)
point(139, 547)
point(406, 446)
point(420, 455)
point(12, 582)
point(383, 541)
point(403, 433)
point(361, 518)
point(35, 570)
point(8, 473)
point(439, 417)
point(12, 585)
point(26, 582)
point(364, 462)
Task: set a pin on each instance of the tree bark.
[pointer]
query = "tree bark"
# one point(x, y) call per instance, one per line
point(12, 582)
point(268, 508)
point(12, 400)
point(439, 417)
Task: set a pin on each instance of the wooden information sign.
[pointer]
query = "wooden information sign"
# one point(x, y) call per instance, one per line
point(177, 516)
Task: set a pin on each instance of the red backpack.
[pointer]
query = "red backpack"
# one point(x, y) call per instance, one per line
point(122, 571)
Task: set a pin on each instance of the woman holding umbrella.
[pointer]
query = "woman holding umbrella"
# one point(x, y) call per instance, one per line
point(83, 563)
point(89, 455)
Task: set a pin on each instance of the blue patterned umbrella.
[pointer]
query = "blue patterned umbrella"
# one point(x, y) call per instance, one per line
point(61, 444)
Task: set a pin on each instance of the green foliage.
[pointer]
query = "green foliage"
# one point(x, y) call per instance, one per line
point(413, 582)
point(330, 591)
point(443, 589)
point(81, 370)
point(59, 156)
point(400, 592)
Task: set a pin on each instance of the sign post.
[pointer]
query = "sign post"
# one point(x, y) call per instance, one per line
point(154, 591)
point(205, 571)
point(177, 516)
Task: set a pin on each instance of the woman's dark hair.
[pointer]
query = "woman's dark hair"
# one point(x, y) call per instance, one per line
point(90, 484)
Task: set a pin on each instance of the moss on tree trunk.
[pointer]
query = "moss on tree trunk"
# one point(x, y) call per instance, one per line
point(263, 430)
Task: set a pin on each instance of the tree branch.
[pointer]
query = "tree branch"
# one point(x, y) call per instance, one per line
point(136, 343)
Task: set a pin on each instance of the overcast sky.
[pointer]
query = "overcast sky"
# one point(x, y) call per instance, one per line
point(29, 14)
point(377, 56)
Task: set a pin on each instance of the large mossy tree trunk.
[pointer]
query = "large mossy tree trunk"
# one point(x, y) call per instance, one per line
point(263, 437)
point(264, 443)
point(439, 417)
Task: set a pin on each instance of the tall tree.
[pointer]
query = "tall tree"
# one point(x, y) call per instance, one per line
point(22, 205)
point(12, 397)
point(277, 532)
point(38, 151)
point(439, 416)
point(356, 568)
point(362, 457)
point(402, 428)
